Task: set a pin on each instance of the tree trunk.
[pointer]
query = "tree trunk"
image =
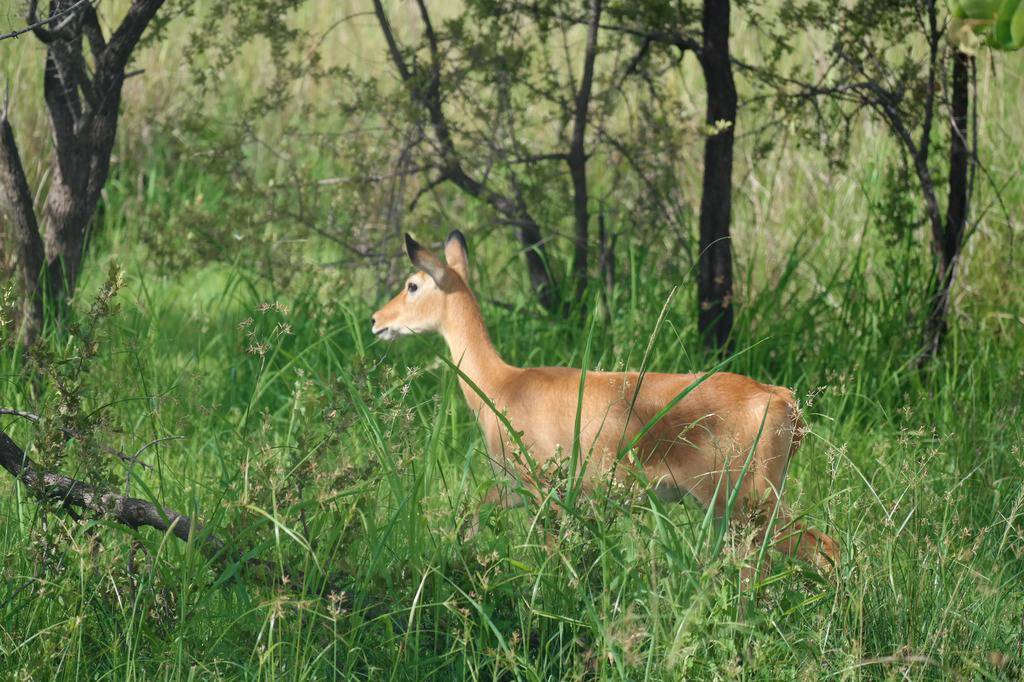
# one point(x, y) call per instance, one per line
point(577, 157)
point(948, 248)
point(606, 263)
point(714, 284)
point(16, 199)
point(66, 216)
point(84, 129)
point(581, 216)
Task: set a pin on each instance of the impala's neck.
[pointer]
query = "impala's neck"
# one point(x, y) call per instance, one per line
point(471, 348)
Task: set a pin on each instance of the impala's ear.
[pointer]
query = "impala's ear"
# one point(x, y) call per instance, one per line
point(424, 260)
point(457, 255)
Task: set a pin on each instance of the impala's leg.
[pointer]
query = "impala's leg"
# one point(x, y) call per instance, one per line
point(792, 537)
point(750, 550)
point(806, 543)
point(498, 495)
point(788, 535)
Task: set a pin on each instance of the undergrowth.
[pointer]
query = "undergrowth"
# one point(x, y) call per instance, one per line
point(299, 437)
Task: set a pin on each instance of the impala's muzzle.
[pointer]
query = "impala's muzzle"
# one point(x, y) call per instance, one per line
point(384, 332)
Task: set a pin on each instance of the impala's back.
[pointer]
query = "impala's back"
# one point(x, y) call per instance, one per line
point(709, 432)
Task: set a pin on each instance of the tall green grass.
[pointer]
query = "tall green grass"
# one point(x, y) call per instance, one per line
point(332, 453)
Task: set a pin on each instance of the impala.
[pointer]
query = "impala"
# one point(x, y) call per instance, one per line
point(728, 431)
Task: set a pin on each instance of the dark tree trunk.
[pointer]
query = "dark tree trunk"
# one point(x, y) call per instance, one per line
point(714, 284)
point(16, 199)
point(66, 215)
point(948, 247)
point(606, 263)
point(83, 117)
point(577, 157)
point(581, 217)
point(80, 170)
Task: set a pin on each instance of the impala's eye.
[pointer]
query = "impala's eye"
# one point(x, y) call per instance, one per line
point(412, 287)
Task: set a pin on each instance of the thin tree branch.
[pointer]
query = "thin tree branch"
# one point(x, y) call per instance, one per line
point(389, 38)
point(36, 25)
point(427, 188)
point(675, 39)
point(119, 49)
point(92, 30)
point(934, 36)
point(35, 419)
point(512, 208)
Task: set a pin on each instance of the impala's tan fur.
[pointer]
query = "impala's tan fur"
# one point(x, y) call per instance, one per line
point(699, 448)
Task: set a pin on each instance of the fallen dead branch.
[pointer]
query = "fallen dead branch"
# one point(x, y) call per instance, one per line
point(129, 511)
point(136, 513)
point(68, 433)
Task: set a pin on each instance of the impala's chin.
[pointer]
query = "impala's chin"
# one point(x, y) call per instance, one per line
point(386, 333)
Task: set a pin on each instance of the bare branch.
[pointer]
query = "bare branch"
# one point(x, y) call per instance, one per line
point(92, 30)
point(36, 25)
point(127, 35)
point(637, 60)
point(678, 40)
point(35, 419)
point(134, 459)
point(136, 513)
point(427, 188)
point(129, 511)
point(389, 37)
point(934, 36)
point(512, 208)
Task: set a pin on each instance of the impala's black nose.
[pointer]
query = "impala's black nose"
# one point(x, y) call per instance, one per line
point(373, 321)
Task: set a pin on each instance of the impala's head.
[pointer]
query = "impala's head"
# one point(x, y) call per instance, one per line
point(422, 304)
